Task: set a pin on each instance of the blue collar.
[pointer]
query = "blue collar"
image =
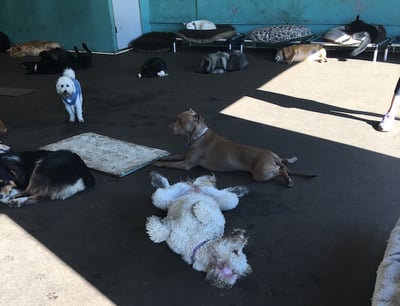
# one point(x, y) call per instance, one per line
point(78, 91)
point(192, 257)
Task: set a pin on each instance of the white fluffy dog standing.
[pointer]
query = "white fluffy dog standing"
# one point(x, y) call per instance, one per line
point(194, 227)
point(69, 89)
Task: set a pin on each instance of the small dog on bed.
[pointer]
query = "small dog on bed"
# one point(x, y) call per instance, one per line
point(32, 48)
point(69, 89)
point(302, 52)
point(27, 177)
point(153, 67)
point(200, 25)
point(194, 227)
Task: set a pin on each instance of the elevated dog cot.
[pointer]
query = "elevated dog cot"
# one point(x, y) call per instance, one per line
point(375, 47)
point(277, 36)
point(393, 45)
point(224, 35)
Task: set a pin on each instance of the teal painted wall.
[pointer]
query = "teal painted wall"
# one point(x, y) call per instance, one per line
point(69, 22)
point(246, 15)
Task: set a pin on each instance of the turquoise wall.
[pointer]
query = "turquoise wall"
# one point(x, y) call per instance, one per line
point(246, 15)
point(69, 22)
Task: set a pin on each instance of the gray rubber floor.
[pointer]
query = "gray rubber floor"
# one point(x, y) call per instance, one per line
point(318, 243)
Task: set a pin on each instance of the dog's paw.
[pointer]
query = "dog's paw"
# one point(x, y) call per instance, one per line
point(156, 230)
point(81, 120)
point(240, 191)
point(158, 181)
point(291, 160)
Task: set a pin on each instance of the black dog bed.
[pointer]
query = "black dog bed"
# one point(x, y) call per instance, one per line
point(223, 31)
point(154, 42)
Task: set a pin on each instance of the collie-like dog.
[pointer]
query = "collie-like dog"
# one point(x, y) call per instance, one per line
point(27, 177)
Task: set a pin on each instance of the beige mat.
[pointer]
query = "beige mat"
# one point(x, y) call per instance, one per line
point(14, 92)
point(108, 154)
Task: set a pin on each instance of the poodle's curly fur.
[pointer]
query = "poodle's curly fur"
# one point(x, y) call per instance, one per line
point(194, 227)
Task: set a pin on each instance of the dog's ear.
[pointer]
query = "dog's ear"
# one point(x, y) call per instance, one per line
point(198, 118)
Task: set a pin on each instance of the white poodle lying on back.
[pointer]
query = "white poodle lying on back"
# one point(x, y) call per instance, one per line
point(194, 227)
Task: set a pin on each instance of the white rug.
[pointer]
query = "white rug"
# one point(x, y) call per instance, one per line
point(108, 154)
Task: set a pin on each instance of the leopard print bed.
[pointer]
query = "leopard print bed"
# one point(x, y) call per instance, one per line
point(279, 33)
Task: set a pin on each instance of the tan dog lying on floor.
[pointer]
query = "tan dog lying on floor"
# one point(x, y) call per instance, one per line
point(32, 48)
point(302, 52)
point(215, 153)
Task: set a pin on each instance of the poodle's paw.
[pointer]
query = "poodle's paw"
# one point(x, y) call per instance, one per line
point(158, 181)
point(156, 230)
point(240, 191)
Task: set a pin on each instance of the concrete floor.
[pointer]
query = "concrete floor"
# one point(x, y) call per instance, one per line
point(317, 244)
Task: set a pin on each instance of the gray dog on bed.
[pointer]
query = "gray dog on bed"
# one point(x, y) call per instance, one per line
point(220, 62)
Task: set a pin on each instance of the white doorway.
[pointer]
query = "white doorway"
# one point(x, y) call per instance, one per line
point(127, 21)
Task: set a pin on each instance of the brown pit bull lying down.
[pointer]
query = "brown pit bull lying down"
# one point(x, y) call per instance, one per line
point(215, 153)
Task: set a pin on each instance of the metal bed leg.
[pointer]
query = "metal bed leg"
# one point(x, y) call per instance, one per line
point(385, 55)
point(375, 53)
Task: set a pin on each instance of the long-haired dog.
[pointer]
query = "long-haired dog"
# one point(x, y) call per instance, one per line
point(32, 48)
point(194, 227)
point(302, 52)
point(28, 177)
point(69, 89)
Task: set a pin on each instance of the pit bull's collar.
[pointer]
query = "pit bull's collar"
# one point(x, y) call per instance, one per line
point(195, 137)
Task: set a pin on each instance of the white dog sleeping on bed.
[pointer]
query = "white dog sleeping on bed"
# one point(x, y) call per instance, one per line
point(194, 227)
point(200, 25)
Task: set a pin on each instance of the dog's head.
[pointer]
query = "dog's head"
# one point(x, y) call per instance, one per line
point(11, 174)
point(188, 123)
point(190, 25)
point(280, 56)
point(228, 262)
point(65, 86)
point(16, 51)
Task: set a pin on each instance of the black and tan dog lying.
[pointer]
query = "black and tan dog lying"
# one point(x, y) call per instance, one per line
point(57, 59)
point(28, 177)
point(301, 52)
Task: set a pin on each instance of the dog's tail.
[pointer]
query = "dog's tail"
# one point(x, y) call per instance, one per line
point(70, 73)
point(300, 174)
point(283, 163)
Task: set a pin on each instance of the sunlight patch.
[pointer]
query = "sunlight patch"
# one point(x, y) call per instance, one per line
point(331, 126)
point(33, 275)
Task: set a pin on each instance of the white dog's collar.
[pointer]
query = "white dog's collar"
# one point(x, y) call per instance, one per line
point(196, 249)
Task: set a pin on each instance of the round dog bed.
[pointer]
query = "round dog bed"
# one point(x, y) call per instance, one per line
point(154, 42)
point(223, 31)
point(280, 33)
